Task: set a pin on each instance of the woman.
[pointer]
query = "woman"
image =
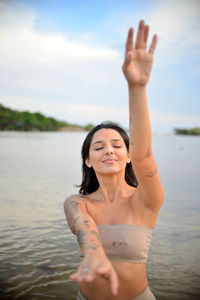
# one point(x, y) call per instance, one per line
point(114, 215)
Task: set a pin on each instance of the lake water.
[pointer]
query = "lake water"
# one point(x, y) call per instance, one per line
point(38, 251)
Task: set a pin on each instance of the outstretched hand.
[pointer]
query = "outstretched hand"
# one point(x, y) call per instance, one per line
point(95, 267)
point(138, 61)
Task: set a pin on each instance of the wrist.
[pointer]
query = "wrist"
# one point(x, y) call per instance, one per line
point(94, 251)
point(136, 87)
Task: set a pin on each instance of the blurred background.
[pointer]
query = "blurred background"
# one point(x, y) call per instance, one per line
point(61, 60)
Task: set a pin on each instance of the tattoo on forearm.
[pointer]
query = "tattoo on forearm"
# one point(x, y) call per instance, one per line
point(93, 247)
point(96, 234)
point(151, 173)
point(80, 237)
point(84, 242)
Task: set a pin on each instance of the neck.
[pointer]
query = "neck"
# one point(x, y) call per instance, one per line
point(112, 188)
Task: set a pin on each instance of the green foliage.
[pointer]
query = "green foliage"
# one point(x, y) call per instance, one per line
point(191, 131)
point(89, 126)
point(26, 121)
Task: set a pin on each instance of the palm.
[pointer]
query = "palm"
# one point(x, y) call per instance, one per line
point(138, 62)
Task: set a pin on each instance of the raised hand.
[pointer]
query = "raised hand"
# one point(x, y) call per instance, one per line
point(138, 61)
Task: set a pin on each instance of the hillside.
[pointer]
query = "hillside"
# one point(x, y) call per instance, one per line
point(26, 121)
point(191, 131)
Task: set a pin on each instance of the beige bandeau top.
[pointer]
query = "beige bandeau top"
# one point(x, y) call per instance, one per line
point(125, 242)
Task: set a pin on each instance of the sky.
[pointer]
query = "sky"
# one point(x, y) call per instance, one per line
point(64, 58)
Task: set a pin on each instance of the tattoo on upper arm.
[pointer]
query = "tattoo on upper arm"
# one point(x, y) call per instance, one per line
point(151, 173)
point(71, 211)
point(75, 204)
point(74, 220)
point(86, 239)
point(85, 222)
point(72, 207)
point(148, 154)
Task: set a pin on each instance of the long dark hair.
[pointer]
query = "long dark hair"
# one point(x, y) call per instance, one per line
point(89, 182)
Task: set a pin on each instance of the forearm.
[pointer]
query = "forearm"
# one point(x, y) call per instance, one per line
point(139, 123)
point(83, 226)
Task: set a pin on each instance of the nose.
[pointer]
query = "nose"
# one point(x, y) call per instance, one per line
point(109, 150)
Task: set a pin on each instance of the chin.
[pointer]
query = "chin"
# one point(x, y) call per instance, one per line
point(110, 171)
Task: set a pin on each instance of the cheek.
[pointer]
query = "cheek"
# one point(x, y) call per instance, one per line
point(94, 156)
point(123, 155)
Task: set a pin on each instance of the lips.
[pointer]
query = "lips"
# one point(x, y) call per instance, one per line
point(109, 160)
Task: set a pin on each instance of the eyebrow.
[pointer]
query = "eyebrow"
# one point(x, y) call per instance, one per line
point(102, 141)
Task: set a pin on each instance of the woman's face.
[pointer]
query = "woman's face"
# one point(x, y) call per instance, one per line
point(107, 153)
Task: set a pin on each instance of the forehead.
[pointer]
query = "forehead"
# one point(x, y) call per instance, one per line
point(105, 134)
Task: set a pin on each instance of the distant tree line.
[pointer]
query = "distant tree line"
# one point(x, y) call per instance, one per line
point(191, 131)
point(26, 121)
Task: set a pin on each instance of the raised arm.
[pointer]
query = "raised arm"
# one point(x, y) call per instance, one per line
point(137, 69)
point(83, 226)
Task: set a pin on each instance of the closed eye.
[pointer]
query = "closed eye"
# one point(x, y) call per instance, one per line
point(113, 147)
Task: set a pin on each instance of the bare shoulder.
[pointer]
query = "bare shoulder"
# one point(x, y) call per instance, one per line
point(74, 200)
point(74, 197)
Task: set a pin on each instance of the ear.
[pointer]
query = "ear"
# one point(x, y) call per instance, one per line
point(88, 164)
point(128, 159)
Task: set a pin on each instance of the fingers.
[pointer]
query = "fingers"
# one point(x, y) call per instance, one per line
point(105, 272)
point(114, 282)
point(74, 276)
point(140, 36)
point(129, 41)
point(81, 276)
point(153, 44)
point(146, 34)
point(112, 277)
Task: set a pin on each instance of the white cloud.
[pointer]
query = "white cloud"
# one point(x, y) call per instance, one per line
point(65, 79)
point(40, 65)
point(20, 41)
point(177, 24)
point(28, 45)
point(162, 120)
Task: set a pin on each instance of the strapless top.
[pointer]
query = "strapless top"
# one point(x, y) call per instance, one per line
point(125, 242)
